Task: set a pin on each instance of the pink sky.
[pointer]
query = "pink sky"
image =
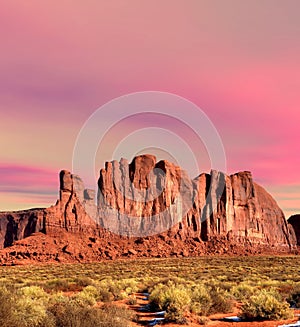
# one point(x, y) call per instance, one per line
point(60, 61)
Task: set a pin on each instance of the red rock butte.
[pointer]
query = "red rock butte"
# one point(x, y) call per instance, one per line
point(149, 209)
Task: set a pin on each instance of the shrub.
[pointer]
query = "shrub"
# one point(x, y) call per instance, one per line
point(72, 315)
point(84, 298)
point(265, 306)
point(110, 290)
point(33, 293)
point(83, 281)
point(25, 308)
point(118, 313)
point(57, 298)
point(221, 302)
point(105, 295)
point(174, 299)
point(201, 300)
point(6, 305)
point(243, 291)
point(129, 285)
point(30, 307)
point(157, 296)
point(29, 312)
point(92, 290)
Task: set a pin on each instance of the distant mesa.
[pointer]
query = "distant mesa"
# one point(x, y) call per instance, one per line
point(149, 209)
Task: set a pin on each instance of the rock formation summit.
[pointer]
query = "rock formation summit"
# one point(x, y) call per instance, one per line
point(147, 208)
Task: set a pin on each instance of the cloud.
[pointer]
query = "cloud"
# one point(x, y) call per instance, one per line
point(20, 183)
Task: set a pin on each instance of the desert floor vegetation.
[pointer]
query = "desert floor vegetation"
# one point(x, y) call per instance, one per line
point(103, 293)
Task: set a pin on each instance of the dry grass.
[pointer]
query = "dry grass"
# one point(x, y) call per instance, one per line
point(66, 294)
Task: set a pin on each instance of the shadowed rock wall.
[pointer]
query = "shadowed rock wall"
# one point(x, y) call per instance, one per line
point(295, 222)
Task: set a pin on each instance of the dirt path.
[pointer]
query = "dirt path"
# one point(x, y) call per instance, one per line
point(142, 310)
point(145, 317)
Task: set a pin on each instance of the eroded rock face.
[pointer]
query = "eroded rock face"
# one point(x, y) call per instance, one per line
point(294, 221)
point(142, 198)
point(17, 225)
point(71, 213)
point(146, 197)
point(213, 213)
point(75, 209)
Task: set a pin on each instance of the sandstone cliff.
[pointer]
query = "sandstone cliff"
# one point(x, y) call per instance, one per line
point(211, 205)
point(148, 208)
point(70, 213)
point(16, 225)
point(74, 208)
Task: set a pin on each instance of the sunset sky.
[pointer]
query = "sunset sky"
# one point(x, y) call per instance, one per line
point(239, 61)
